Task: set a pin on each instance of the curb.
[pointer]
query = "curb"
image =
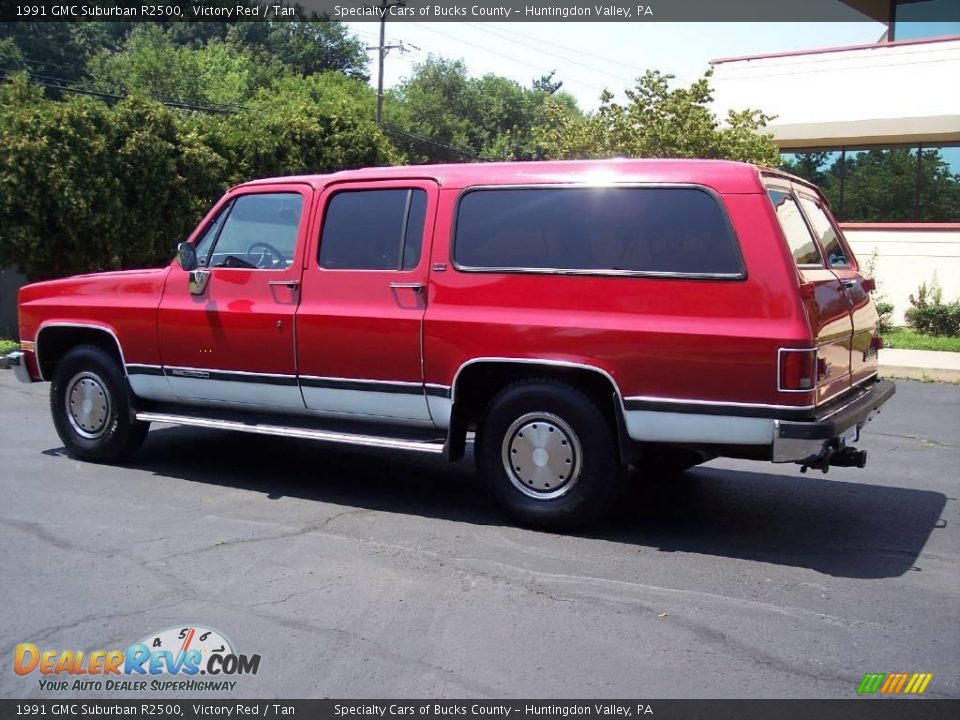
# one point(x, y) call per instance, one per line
point(903, 372)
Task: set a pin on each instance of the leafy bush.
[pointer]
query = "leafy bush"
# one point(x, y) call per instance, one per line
point(86, 186)
point(942, 320)
point(885, 311)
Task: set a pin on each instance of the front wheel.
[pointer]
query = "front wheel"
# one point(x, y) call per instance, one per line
point(90, 403)
point(549, 455)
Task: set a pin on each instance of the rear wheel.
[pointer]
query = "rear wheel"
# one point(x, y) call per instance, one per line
point(90, 404)
point(549, 455)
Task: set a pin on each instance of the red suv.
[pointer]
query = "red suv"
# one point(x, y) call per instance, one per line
point(574, 318)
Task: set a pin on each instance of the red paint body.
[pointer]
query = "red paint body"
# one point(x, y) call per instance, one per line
point(656, 337)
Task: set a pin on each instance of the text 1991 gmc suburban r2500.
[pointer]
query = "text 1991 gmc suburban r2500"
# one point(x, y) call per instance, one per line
point(578, 317)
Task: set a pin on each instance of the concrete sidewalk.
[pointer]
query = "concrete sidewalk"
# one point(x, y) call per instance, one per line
point(920, 364)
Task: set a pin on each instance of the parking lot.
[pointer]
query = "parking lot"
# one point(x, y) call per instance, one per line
point(374, 574)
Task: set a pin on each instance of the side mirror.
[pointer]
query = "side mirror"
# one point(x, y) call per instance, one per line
point(187, 256)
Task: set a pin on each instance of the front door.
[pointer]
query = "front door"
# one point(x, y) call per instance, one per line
point(231, 343)
point(360, 321)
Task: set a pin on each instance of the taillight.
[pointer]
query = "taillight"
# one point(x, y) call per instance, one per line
point(798, 369)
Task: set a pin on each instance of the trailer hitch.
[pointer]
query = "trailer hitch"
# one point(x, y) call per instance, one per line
point(844, 457)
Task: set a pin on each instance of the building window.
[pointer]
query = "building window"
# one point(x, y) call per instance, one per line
point(914, 19)
point(917, 183)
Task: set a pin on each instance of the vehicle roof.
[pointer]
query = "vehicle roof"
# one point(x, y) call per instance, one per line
point(724, 176)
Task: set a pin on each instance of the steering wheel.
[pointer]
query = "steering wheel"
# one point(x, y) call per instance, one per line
point(264, 255)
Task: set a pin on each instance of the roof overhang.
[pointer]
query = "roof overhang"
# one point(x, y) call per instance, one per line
point(878, 10)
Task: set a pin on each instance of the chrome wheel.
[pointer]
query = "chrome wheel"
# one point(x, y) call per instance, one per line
point(88, 405)
point(541, 455)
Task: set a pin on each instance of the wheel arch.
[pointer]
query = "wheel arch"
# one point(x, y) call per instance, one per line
point(478, 381)
point(55, 339)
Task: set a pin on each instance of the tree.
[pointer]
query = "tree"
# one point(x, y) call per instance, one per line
point(150, 63)
point(318, 124)
point(491, 117)
point(85, 186)
point(659, 121)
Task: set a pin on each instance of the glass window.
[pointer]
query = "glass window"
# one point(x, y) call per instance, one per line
point(930, 18)
point(205, 243)
point(821, 167)
point(938, 191)
point(802, 245)
point(373, 230)
point(260, 232)
point(657, 230)
point(879, 185)
point(826, 232)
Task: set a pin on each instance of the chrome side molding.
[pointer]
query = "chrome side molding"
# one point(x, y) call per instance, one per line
point(389, 443)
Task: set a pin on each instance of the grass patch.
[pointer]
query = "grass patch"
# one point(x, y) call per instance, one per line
point(909, 339)
point(8, 346)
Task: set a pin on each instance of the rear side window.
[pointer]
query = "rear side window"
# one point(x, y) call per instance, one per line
point(681, 231)
point(826, 232)
point(373, 230)
point(802, 245)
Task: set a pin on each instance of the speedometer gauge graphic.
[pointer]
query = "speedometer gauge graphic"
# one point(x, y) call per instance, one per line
point(182, 639)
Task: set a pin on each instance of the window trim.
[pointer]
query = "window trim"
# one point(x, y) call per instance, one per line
point(229, 201)
point(345, 188)
point(851, 260)
point(657, 274)
point(791, 191)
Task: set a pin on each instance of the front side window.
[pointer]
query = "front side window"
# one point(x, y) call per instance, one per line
point(801, 242)
point(826, 232)
point(671, 231)
point(205, 243)
point(259, 232)
point(373, 230)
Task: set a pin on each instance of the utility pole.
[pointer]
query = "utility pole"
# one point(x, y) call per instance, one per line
point(385, 6)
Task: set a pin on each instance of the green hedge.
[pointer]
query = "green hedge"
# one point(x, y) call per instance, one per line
point(940, 320)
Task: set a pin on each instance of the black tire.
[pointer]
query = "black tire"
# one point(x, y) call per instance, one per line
point(596, 478)
point(100, 428)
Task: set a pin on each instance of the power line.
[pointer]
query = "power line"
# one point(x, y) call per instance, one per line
point(394, 130)
point(566, 58)
point(565, 48)
point(525, 63)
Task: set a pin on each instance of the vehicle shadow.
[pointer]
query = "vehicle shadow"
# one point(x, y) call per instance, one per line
point(838, 528)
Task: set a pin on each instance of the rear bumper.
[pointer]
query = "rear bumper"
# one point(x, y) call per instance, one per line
point(833, 427)
point(17, 362)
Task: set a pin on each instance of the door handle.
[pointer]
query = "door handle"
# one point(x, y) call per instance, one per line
point(292, 284)
point(417, 287)
point(848, 282)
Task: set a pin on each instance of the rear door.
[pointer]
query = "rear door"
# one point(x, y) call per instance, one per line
point(863, 349)
point(826, 302)
point(360, 321)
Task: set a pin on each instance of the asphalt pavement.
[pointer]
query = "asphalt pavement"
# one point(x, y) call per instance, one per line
point(375, 574)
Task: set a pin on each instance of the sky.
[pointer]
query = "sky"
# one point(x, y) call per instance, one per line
point(589, 57)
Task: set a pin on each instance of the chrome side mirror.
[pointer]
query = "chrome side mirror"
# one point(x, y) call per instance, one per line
point(198, 281)
point(187, 256)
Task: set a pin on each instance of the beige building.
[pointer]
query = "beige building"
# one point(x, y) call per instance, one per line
point(878, 127)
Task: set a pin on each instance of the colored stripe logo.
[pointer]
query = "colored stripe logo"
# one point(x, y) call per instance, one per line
point(894, 683)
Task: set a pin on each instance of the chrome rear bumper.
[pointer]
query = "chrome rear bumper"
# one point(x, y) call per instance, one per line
point(834, 427)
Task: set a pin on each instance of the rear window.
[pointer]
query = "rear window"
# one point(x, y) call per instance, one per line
point(802, 245)
point(826, 232)
point(676, 231)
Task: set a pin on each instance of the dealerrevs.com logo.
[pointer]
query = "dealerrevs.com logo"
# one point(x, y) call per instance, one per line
point(169, 660)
